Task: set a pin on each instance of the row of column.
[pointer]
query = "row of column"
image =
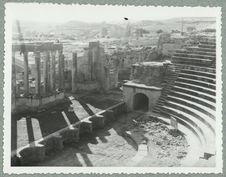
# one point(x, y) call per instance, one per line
point(49, 73)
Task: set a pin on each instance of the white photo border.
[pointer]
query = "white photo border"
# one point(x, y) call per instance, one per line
point(7, 168)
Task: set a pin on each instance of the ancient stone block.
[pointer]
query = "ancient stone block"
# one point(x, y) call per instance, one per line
point(86, 127)
point(98, 121)
point(32, 154)
point(70, 135)
point(54, 143)
point(173, 123)
point(109, 115)
point(15, 161)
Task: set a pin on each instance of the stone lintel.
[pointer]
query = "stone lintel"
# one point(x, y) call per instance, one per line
point(142, 86)
point(98, 121)
point(32, 47)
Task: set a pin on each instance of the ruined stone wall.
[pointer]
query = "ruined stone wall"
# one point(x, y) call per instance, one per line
point(129, 57)
point(129, 92)
point(149, 73)
point(96, 70)
point(168, 43)
point(83, 68)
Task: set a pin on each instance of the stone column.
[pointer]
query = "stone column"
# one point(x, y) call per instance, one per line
point(46, 72)
point(13, 80)
point(26, 74)
point(38, 74)
point(90, 63)
point(53, 71)
point(95, 62)
point(74, 72)
point(61, 70)
point(116, 71)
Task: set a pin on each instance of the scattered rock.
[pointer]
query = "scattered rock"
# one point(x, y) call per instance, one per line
point(159, 143)
point(169, 146)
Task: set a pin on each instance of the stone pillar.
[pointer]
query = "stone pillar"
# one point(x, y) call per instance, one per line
point(74, 71)
point(90, 63)
point(26, 74)
point(46, 72)
point(116, 71)
point(38, 74)
point(95, 57)
point(13, 80)
point(53, 71)
point(61, 70)
point(98, 121)
point(105, 80)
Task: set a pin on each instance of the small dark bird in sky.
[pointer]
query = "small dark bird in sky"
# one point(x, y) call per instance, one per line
point(126, 18)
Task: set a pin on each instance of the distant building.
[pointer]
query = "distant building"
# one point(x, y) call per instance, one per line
point(191, 29)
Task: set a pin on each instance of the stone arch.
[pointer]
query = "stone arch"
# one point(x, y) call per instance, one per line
point(140, 102)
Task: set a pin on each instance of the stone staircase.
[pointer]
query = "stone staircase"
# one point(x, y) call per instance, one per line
point(191, 97)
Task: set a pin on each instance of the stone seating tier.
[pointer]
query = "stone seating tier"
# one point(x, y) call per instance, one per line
point(183, 51)
point(191, 98)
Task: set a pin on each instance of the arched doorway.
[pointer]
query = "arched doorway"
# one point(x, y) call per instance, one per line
point(140, 102)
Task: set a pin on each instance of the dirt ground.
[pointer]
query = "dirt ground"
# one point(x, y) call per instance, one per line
point(167, 147)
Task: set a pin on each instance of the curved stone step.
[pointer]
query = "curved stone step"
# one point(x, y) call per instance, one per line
point(200, 73)
point(196, 52)
point(201, 49)
point(208, 42)
point(207, 46)
point(196, 68)
point(183, 119)
point(193, 63)
point(195, 87)
point(208, 135)
point(194, 139)
point(193, 105)
point(210, 123)
point(186, 124)
point(196, 82)
point(194, 55)
point(192, 92)
point(196, 99)
point(198, 77)
point(191, 59)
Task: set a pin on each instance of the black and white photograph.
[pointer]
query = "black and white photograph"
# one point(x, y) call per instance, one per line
point(103, 88)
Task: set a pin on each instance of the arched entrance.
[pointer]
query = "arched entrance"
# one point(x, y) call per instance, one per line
point(140, 102)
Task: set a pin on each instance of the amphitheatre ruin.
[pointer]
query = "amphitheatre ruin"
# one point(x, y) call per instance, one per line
point(147, 106)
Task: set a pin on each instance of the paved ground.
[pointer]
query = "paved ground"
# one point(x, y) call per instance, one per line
point(41, 124)
point(110, 146)
point(104, 148)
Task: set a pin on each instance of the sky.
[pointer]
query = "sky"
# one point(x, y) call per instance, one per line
point(99, 13)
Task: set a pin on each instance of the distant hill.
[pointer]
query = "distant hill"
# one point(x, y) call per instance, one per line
point(176, 23)
point(85, 29)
